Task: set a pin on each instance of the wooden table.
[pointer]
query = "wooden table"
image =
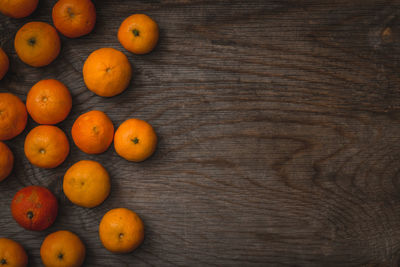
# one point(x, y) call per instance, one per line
point(278, 125)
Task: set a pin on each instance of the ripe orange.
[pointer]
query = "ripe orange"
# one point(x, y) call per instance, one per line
point(6, 161)
point(86, 183)
point(18, 8)
point(74, 18)
point(34, 208)
point(37, 44)
point(121, 230)
point(93, 132)
point(4, 63)
point(138, 34)
point(62, 249)
point(49, 102)
point(107, 72)
point(135, 140)
point(12, 254)
point(46, 146)
point(13, 116)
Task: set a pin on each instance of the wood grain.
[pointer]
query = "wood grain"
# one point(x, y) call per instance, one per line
point(279, 127)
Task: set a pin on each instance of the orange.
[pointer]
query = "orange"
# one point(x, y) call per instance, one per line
point(13, 116)
point(121, 230)
point(49, 102)
point(37, 44)
point(6, 161)
point(18, 8)
point(86, 183)
point(74, 18)
point(12, 253)
point(107, 72)
point(4, 63)
point(34, 208)
point(62, 249)
point(46, 146)
point(138, 34)
point(135, 140)
point(93, 132)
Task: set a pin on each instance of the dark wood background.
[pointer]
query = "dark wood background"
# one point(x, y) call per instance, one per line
point(278, 125)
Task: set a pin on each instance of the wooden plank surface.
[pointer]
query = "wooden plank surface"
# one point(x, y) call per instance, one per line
point(279, 133)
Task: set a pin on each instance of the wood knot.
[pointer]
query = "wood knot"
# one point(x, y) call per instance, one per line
point(387, 35)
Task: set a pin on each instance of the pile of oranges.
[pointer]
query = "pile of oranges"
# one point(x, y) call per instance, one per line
point(106, 72)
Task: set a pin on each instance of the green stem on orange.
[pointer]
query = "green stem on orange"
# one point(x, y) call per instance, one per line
point(29, 214)
point(135, 32)
point(32, 41)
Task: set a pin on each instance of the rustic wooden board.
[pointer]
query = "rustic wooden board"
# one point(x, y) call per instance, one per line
point(279, 128)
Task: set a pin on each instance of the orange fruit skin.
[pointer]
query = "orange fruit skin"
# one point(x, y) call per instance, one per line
point(13, 116)
point(34, 208)
point(65, 245)
point(135, 140)
point(93, 132)
point(12, 253)
point(107, 72)
point(121, 230)
point(46, 146)
point(18, 8)
point(37, 44)
point(74, 18)
point(138, 34)
point(6, 161)
point(4, 63)
point(49, 102)
point(86, 183)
